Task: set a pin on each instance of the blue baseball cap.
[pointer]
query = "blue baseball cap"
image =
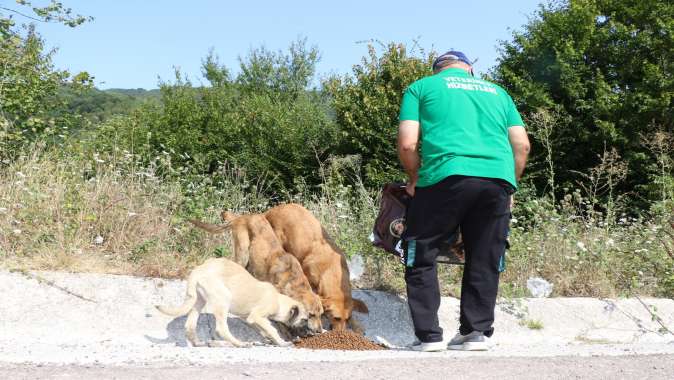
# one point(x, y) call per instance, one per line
point(452, 55)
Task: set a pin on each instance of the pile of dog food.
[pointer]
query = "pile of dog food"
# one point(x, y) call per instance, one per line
point(338, 340)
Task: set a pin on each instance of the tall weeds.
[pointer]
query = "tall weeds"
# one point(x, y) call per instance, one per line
point(108, 214)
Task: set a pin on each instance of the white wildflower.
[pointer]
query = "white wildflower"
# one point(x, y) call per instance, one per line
point(99, 240)
point(610, 243)
point(581, 246)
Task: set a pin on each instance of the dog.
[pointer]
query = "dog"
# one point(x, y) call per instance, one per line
point(226, 288)
point(324, 264)
point(257, 249)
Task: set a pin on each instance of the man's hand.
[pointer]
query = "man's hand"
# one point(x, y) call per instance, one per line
point(410, 187)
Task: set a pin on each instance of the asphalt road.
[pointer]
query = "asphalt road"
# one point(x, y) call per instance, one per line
point(600, 367)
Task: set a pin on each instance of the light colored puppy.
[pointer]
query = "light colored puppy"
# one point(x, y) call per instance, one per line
point(226, 288)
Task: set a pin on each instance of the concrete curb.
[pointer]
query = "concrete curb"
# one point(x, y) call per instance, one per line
point(95, 318)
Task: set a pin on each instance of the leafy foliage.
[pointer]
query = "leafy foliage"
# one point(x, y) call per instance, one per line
point(29, 83)
point(53, 12)
point(367, 103)
point(605, 68)
point(99, 105)
point(265, 120)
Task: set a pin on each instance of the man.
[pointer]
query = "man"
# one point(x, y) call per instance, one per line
point(463, 146)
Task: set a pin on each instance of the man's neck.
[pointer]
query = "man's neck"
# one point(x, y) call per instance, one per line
point(457, 66)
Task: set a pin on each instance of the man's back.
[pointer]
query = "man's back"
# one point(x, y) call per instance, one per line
point(464, 126)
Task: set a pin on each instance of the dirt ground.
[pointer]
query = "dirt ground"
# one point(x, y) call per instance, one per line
point(605, 367)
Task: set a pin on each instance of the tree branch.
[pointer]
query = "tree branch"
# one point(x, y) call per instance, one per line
point(25, 15)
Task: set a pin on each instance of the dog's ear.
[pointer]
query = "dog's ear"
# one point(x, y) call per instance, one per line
point(360, 306)
point(294, 312)
point(228, 216)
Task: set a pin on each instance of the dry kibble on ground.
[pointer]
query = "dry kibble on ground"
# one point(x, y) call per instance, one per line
point(338, 340)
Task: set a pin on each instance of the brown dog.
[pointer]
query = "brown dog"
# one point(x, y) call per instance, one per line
point(257, 249)
point(322, 261)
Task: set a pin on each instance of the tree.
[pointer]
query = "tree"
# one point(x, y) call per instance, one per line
point(605, 67)
point(28, 81)
point(266, 120)
point(54, 12)
point(367, 103)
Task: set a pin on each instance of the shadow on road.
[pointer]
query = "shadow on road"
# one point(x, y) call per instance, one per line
point(175, 331)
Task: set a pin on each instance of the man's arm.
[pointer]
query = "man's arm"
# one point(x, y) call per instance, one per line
point(519, 141)
point(408, 153)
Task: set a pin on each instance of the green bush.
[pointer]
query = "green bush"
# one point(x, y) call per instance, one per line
point(265, 121)
point(604, 68)
point(367, 103)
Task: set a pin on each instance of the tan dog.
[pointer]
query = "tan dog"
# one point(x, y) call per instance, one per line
point(227, 288)
point(257, 249)
point(322, 261)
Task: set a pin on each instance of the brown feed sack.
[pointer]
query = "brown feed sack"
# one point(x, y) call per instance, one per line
point(338, 340)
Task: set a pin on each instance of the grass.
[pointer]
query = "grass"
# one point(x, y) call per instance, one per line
point(111, 215)
point(532, 324)
point(586, 340)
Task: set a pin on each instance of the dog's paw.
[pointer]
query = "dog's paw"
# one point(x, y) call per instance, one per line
point(285, 344)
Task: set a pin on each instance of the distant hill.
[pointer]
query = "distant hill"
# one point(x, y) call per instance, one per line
point(135, 92)
point(99, 105)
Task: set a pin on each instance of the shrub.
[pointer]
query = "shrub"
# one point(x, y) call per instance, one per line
point(367, 104)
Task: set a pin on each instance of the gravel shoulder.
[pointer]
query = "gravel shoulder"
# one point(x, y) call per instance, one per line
point(94, 325)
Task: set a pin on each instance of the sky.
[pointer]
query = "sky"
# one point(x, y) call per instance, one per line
point(131, 44)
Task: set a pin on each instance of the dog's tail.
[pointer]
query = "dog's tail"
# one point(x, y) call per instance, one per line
point(190, 299)
point(212, 228)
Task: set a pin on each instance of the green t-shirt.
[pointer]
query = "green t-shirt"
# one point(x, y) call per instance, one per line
point(464, 126)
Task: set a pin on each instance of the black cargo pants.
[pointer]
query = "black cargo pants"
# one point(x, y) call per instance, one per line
point(481, 207)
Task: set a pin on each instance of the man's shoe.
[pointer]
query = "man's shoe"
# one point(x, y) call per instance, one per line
point(475, 341)
point(429, 346)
